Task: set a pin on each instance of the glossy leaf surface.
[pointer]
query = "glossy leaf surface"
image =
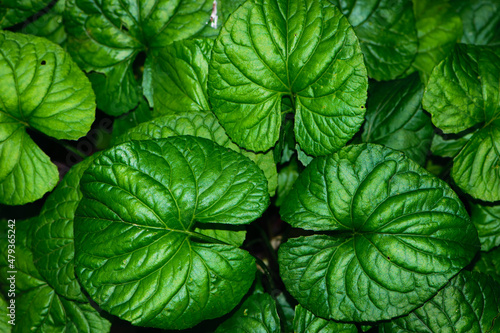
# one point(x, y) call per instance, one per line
point(306, 322)
point(303, 49)
point(137, 252)
point(405, 234)
point(43, 90)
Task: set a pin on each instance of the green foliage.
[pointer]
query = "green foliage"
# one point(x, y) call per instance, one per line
point(213, 167)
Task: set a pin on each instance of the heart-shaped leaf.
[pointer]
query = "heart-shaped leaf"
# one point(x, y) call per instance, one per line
point(136, 249)
point(402, 234)
point(44, 90)
point(304, 49)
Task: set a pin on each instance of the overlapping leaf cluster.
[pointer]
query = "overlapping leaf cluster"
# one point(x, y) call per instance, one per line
point(375, 125)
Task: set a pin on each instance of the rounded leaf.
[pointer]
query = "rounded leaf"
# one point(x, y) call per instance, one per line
point(136, 249)
point(304, 49)
point(44, 90)
point(403, 234)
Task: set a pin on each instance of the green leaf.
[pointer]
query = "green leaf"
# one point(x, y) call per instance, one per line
point(481, 21)
point(470, 302)
point(302, 156)
point(449, 145)
point(303, 49)
point(139, 115)
point(49, 25)
point(5, 315)
point(486, 218)
point(53, 243)
point(180, 77)
point(257, 314)
point(463, 89)
point(476, 169)
point(38, 307)
point(464, 92)
point(27, 276)
point(16, 11)
point(204, 125)
point(44, 90)
point(117, 91)
point(387, 33)
point(395, 119)
point(438, 27)
point(43, 310)
point(489, 263)
point(107, 37)
point(286, 178)
point(402, 234)
point(306, 322)
point(136, 250)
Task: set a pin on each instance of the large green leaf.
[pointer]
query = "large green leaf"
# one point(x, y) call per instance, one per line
point(53, 243)
point(387, 32)
point(470, 302)
point(257, 314)
point(38, 307)
point(304, 49)
point(403, 234)
point(204, 125)
point(481, 21)
point(439, 27)
point(486, 218)
point(44, 90)
point(136, 249)
point(464, 92)
point(394, 117)
point(306, 322)
point(106, 37)
point(16, 11)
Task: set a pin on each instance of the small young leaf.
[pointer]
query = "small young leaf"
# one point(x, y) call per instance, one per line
point(487, 222)
point(309, 52)
point(42, 89)
point(470, 302)
point(387, 33)
point(395, 119)
point(306, 322)
point(257, 314)
point(406, 233)
point(136, 250)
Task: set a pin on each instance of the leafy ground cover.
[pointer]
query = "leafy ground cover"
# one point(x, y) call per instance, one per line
point(250, 166)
